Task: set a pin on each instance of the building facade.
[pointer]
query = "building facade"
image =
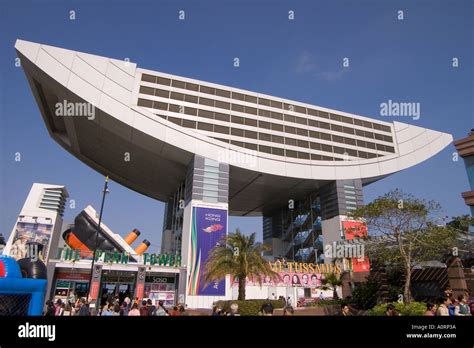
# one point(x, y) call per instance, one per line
point(210, 151)
point(465, 148)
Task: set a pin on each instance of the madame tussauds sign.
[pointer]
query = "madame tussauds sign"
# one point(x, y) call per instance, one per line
point(303, 267)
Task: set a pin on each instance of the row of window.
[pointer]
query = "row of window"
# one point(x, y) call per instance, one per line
point(271, 138)
point(264, 125)
point(242, 97)
point(291, 153)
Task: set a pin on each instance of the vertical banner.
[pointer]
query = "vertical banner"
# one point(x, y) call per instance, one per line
point(96, 276)
point(209, 225)
point(140, 282)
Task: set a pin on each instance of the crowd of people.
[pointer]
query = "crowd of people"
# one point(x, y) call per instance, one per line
point(449, 305)
point(113, 307)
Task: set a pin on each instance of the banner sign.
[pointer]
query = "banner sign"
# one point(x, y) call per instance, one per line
point(209, 225)
point(27, 233)
point(354, 229)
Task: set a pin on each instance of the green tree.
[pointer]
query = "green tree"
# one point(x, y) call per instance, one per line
point(406, 231)
point(331, 281)
point(240, 256)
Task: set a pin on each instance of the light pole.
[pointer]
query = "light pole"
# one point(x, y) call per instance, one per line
point(97, 235)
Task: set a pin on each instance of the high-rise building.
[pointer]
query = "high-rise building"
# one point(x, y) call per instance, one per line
point(209, 150)
point(39, 222)
point(465, 149)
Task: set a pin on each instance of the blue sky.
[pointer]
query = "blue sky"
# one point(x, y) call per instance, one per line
point(406, 61)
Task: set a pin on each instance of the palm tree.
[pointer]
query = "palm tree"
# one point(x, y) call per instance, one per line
point(332, 281)
point(240, 256)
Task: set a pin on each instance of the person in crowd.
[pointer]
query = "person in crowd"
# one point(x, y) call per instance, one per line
point(443, 307)
point(72, 297)
point(107, 310)
point(344, 311)
point(471, 306)
point(124, 309)
point(57, 307)
point(84, 310)
point(389, 310)
point(288, 301)
point(115, 310)
point(161, 310)
point(234, 310)
point(144, 309)
point(182, 309)
point(452, 306)
point(267, 309)
point(215, 311)
point(430, 309)
point(134, 312)
point(50, 310)
point(288, 311)
point(151, 307)
point(448, 292)
point(462, 309)
point(174, 312)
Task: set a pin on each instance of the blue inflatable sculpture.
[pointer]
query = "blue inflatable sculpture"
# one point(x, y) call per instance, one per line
point(18, 295)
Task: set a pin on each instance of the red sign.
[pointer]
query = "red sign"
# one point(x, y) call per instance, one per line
point(140, 288)
point(354, 229)
point(361, 265)
point(94, 293)
point(73, 276)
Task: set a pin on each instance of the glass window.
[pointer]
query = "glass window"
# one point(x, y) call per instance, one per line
point(346, 119)
point(300, 109)
point(221, 129)
point(367, 124)
point(316, 135)
point(222, 117)
point(145, 103)
point(303, 155)
point(148, 78)
point(380, 147)
point(289, 118)
point(238, 119)
point(175, 120)
point(147, 90)
point(277, 115)
point(290, 130)
point(266, 149)
point(301, 120)
point(237, 132)
point(222, 105)
point(336, 128)
point(237, 107)
point(291, 153)
point(290, 141)
point(276, 104)
point(277, 127)
point(205, 126)
point(251, 134)
point(303, 143)
point(251, 146)
point(192, 86)
point(206, 114)
point(238, 96)
point(327, 148)
point(378, 136)
point(324, 125)
point(163, 81)
point(313, 123)
point(390, 149)
point(177, 96)
point(348, 130)
point(263, 113)
point(323, 114)
point(206, 101)
point(263, 101)
point(277, 151)
point(160, 105)
point(178, 84)
point(207, 90)
point(388, 138)
point(175, 108)
point(251, 99)
point(278, 139)
point(162, 93)
point(315, 146)
point(250, 110)
point(262, 124)
point(191, 98)
point(359, 132)
point(222, 93)
point(335, 117)
point(250, 122)
point(386, 128)
point(358, 122)
point(316, 157)
point(190, 111)
point(189, 123)
point(370, 145)
point(313, 112)
point(337, 139)
point(325, 136)
point(264, 136)
point(237, 143)
point(350, 141)
point(303, 132)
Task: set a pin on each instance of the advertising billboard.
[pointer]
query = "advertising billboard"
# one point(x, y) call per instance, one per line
point(287, 279)
point(354, 229)
point(27, 234)
point(209, 225)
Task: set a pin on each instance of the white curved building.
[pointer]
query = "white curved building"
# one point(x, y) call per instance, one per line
point(174, 138)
